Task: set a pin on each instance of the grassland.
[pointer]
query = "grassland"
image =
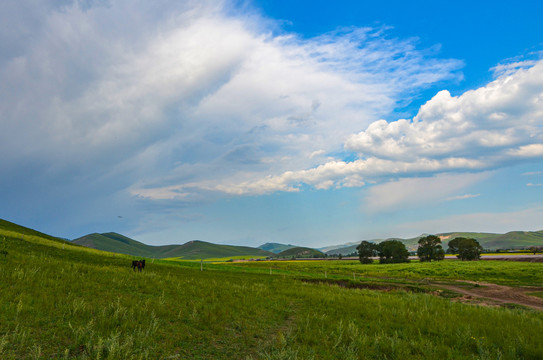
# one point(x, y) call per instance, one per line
point(499, 272)
point(58, 300)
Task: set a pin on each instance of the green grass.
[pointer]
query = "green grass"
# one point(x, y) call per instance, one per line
point(499, 272)
point(63, 301)
point(536, 293)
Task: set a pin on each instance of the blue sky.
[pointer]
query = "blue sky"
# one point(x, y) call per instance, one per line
point(245, 122)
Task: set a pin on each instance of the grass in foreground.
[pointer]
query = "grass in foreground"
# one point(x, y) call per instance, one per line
point(59, 302)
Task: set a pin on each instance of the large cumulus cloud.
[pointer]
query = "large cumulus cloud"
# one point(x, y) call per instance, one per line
point(491, 127)
point(160, 100)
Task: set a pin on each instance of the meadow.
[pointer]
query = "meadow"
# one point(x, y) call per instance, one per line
point(511, 273)
point(63, 301)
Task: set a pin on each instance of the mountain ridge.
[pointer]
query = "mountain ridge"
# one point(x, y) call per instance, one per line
point(191, 250)
point(491, 241)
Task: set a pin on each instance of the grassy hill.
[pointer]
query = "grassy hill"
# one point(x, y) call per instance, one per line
point(7, 228)
point(192, 250)
point(117, 243)
point(275, 248)
point(64, 301)
point(300, 252)
point(491, 241)
point(510, 240)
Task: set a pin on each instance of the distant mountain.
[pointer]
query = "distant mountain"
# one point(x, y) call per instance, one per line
point(328, 249)
point(510, 240)
point(275, 247)
point(300, 252)
point(343, 251)
point(491, 241)
point(192, 250)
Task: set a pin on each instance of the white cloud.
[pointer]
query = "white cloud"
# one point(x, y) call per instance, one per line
point(416, 192)
point(177, 94)
point(487, 128)
point(331, 174)
point(462, 197)
point(495, 122)
point(500, 222)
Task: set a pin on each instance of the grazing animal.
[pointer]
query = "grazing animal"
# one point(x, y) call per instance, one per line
point(139, 264)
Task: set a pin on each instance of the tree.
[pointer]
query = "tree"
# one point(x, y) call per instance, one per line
point(430, 249)
point(466, 248)
point(365, 252)
point(534, 249)
point(392, 251)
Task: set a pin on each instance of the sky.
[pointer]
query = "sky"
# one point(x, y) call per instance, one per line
point(244, 122)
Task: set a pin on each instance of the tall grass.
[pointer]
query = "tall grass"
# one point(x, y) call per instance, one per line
point(70, 302)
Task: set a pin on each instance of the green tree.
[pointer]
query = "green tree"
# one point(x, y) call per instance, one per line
point(392, 251)
point(466, 248)
point(365, 251)
point(534, 249)
point(430, 249)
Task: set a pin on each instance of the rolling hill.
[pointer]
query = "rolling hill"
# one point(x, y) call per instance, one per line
point(117, 243)
point(300, 252)
point(9, 227)
point(275, 248)
point(490, 241)
point(192, 250)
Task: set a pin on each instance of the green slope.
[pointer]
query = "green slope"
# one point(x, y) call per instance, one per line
point(510, 240)
point(196, 249)
point(8, 227)
point(192, 250)
point(300, 252)
point(275, 248)
point(117, 243)
point(491, 241)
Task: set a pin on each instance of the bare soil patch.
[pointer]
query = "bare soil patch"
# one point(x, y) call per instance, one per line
point(524, 258)
point(485, 294)
point(492, 294)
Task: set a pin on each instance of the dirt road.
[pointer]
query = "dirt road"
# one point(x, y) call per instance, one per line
point(492, 294)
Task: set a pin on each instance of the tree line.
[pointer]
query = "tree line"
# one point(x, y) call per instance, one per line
point(430, 249)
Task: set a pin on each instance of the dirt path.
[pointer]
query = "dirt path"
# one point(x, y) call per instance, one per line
point(492, 294)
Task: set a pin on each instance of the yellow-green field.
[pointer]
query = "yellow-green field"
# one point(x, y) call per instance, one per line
point(59, 301)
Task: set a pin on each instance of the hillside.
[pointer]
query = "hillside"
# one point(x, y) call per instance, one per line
point(490, 241)
point(300, 252)
point(275, 248)
point(117, 243)
point(510, 240)
point(18, 230)
point(192, 250)
point(330, 248)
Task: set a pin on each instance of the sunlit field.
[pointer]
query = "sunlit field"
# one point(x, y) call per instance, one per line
point(510, 273)
point(66, 302)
